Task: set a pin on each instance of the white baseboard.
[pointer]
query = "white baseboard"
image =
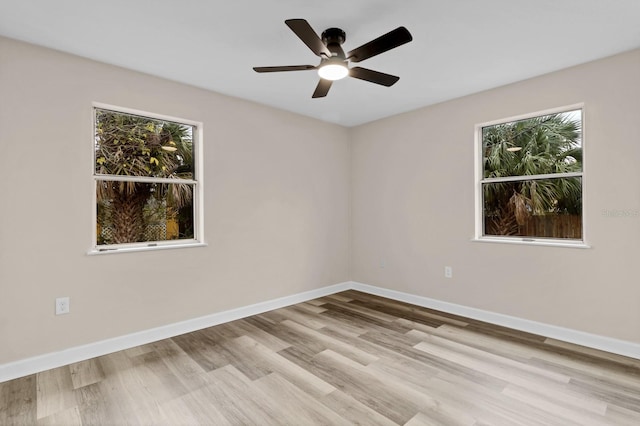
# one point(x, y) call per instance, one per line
point(607, 344)
point(48, 361)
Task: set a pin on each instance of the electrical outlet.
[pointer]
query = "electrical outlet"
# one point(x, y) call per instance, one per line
point(448, 272)
point(62, 305)
point(382, 264)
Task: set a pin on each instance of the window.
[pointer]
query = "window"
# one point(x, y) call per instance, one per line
point(530, 178)
point(147, 180)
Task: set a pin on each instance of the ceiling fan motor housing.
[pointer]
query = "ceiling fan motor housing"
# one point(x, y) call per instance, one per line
point(333, 38)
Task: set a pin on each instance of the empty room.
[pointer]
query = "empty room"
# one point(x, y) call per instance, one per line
point(291, 213)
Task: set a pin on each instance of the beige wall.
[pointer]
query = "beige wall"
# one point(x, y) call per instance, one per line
point(413, 206)
point(276, 206)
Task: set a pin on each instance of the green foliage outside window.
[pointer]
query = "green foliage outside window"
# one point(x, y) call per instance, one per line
point(150, 154)
point(546, 148)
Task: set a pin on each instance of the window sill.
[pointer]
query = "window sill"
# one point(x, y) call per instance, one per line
point(532, 242)
point(150, 247)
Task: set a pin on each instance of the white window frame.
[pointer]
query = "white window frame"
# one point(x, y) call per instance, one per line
point(480, 180)
point(197, 182)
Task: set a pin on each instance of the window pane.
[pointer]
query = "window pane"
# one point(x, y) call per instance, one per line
point(133, 212)
point(545, 208)
point(133, 145)
point(535, 146)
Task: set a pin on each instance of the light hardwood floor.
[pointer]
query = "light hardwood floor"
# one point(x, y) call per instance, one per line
point(349, 358)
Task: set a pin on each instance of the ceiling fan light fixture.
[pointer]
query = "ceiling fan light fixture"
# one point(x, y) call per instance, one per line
point(334, 62)
point(333, 71)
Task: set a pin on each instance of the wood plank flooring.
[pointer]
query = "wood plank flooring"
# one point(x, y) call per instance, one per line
point(350, 358)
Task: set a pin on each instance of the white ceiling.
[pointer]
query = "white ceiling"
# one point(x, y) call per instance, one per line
point(459, 47)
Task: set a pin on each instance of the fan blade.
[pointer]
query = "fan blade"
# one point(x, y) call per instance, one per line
point(284, 68)
point(373, 76)
point(308, 36)
point(322, 88)
point(389, 41)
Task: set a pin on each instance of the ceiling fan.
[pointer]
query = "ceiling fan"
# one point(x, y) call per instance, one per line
point(334, 63)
